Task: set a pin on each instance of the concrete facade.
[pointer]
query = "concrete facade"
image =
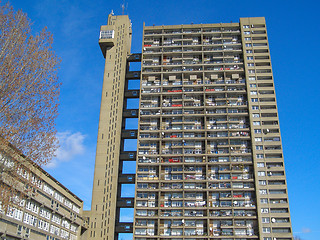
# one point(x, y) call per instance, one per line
point(45, 210)
point(115, 43)
point(209, 158)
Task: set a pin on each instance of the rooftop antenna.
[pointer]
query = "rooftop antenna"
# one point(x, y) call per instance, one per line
point(124, 7)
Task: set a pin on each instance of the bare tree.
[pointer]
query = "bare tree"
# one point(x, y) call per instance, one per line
point(29, 93)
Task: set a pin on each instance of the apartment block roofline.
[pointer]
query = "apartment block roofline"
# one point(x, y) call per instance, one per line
point(38, 167)
point(193, 25)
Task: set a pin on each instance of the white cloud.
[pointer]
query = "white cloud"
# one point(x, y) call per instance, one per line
point(306, 230)
point(71, 145)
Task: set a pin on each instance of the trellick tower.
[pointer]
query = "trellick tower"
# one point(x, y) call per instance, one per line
point(209, 157)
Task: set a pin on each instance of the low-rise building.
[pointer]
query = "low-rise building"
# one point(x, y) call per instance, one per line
point(42, 208)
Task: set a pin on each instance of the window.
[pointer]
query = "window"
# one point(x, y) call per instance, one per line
point(258, 139)
point(251, 71)
point(73, 237)
point(65, 224)
point(261, 173)
point(48, 189)
point(68, 203)
point(246, 32)
point(259, 156)
point(254, 99)
point(259, 147)
point(73, 228)
point(45, 213)
point(280, 191)
point(253, 85)
point(260, 164)
point(279, 210)
point(54, 230)
point(43, 225)
point(15, 213)
point(64, 234)
point(245, 26)
point(76, 209)
point(257, 131)
point(250, 64)
point(266, 230)
point(248, 45)
point(264, 210)
point(262, 182)
point(250, 58)
point(267, 238)
point(253, 92)
point(27, 233)
point(265, 220)
point(32, 207)
point(249, 51)
point(19, 230)
point(30, 219)
point(264, 200)
point(56, 219)
point(58, 196)
point(263, 191)
point(247, 38)
point(106, 34)
point(281, 230)
point(256, 123)
point(255, 115)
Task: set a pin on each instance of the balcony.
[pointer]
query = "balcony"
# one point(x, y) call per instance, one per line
point(124, 227)
point(128, 155)
point(130, 113)
point(134, 57)
point(127, 178)
point(133, 75)
point(132, 93)
point(125, 202)
point(129, 134)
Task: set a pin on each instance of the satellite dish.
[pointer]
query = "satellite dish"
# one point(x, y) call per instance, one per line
point(273, 220)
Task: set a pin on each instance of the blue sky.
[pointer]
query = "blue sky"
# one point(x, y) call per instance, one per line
point(293, 32)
